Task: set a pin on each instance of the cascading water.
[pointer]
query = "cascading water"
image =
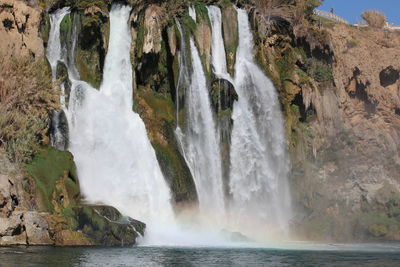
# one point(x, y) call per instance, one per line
point(59, 125)
point(116, 163)
point(218, 48)
point(201, 145)
point(260, 200)
point(54, 50)
point(192, 13)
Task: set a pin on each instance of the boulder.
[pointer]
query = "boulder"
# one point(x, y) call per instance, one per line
point(37, 229)
point(10, 226)
point(223, 94)
point(106, 226)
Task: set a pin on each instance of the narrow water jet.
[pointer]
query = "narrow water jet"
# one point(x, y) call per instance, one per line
point(55, 54)
point(202, 143)
point(218, 59)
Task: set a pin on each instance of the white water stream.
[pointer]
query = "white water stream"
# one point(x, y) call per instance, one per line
point(260, 204)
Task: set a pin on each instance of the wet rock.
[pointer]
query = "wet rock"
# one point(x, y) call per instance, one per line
point(59, 130)
point(223, 94)
point(107, 227)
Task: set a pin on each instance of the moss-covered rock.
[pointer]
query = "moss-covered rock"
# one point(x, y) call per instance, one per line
point(158, 113)
point(203, 37)
point(49, 169)
point(107, 227)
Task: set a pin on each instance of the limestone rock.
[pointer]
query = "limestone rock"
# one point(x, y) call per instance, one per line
point(13, 240)
point(11, 225)
point(152, 24)
point(231, 35)
point(172, 40)
point(71, 238)
point(37, 229)
point(203, 39)
point(19, 29)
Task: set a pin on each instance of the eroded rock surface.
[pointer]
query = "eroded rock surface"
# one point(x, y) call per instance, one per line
point(19, 29)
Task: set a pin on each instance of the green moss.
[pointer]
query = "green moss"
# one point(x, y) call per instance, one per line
point(48, 166)
point(202, 13)
point(319, 71)
point(88, 65)
point(161, 104)
point(141, 33)
point(176, 172)
point(188, 23)
point(286, 65)
point(377, 230)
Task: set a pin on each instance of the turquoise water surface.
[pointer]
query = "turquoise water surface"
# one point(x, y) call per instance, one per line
point(325, 255)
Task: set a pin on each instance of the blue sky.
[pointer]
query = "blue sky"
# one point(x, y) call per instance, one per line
point(352, 9)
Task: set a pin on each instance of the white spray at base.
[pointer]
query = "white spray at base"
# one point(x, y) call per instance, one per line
point(260, 204)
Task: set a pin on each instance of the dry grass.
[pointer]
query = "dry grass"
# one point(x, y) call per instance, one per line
point(293, 11)
point(26, 99)
point(374, 18)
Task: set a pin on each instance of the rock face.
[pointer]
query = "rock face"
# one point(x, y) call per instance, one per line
point(37, 229)
point(19, 29)
point(152, 24)
point(231, 35)
point(44, 208)
point(339, 88)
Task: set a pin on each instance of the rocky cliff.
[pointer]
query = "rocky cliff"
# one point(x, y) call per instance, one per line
point(338, 87)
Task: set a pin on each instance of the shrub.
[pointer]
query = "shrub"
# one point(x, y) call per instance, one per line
point(351, 43)
point(319, 71)
point(374, 18)
point(26, 98)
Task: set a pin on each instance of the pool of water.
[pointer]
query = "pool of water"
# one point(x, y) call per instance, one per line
point(310, 255)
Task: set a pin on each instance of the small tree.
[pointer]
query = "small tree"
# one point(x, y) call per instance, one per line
point(374, 18)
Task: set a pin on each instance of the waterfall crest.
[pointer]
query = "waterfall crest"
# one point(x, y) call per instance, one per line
point(259, 160)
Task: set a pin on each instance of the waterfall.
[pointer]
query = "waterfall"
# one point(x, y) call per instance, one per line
point(55, 54)
point(192, 13)
point(54, 50)
point(218, 48)
point(118, 166)
point(115, 161)
point(260, 199)
point(200, 142)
